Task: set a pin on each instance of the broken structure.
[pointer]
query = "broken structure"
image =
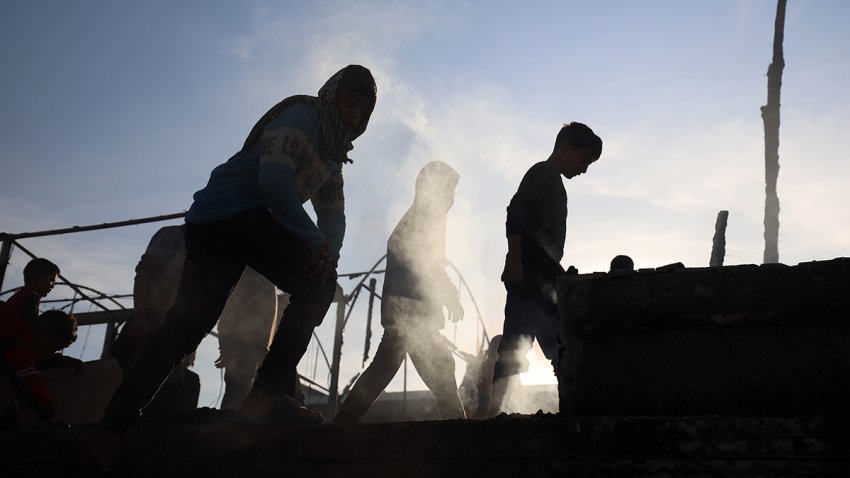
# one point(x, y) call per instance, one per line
point(769, 340)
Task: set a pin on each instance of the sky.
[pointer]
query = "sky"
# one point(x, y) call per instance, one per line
point(113, 110)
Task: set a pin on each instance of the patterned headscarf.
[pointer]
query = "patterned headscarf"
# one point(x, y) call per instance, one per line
point(335, 141)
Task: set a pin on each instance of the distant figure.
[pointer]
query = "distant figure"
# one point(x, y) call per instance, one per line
point(251, 214)
point(39, 278)
point(416, 288)
point(245, 326)
point(622, 263)
point(29, 344)
point(536, 230)
point(154, 291)
point(245, 331)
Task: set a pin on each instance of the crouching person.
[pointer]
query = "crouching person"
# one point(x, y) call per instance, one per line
point(251, 214)
point(29, 345)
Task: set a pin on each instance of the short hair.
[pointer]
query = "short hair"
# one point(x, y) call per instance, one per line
point(358, 80)
point(58, 324)
point(580, 136)
point(37, 268)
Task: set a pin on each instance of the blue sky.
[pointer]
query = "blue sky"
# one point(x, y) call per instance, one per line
point(116, 110)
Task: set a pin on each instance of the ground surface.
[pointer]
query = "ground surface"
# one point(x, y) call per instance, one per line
point(205, 444)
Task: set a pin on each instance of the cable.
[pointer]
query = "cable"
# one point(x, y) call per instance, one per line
point(86, 340)
point(217, 399)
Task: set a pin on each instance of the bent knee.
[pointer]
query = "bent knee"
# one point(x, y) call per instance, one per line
point(315, 292)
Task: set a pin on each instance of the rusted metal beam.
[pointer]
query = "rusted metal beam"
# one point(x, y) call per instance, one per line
point(107, 225)
point(333, 394)
point(103, 317)
point(5, 254)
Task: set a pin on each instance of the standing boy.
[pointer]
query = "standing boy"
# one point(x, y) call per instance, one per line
point(536, 229)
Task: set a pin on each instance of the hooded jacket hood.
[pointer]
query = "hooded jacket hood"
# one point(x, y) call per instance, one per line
point(335, 140)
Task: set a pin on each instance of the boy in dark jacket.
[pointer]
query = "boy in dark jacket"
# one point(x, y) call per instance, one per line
point(536, 228)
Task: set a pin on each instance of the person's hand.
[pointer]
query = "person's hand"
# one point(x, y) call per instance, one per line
point(219, 362)
point(513, 271)
point(455, 311)
point(322, 264)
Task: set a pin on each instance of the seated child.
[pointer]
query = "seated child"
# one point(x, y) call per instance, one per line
point(39, 278)
point(26, 345)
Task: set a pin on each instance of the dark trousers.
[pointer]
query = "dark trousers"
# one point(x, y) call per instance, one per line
point(409, 329)
point(530, 313)
point(431, 358)
point(216, 255)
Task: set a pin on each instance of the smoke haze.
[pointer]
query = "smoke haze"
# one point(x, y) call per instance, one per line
point(674, 91)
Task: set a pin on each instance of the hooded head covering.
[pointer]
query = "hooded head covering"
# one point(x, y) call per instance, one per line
point(335, 140)
point(435, 180)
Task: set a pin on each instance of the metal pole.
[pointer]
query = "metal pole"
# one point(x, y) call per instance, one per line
point(372, 285)
point(106, 225)
point(9, 239)
point(333, 394)
point(5, 255)
point(109, 340)
point(404, 393)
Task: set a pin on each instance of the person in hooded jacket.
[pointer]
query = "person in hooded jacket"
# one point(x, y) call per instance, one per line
point(416, 289)
point(251, 213)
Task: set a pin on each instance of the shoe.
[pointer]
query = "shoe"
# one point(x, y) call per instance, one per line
point(261, 407)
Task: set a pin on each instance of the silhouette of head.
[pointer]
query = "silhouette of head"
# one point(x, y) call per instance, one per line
point(580, 136)
point(40, 274)
point(622, 263)
point(435, 186)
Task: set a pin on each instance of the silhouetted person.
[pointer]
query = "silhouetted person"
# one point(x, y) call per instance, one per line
point(621, 263)
point(39, 278)
point(536, 228)
point(245, 331)
point(251, 214)
point(416, 288)
point(29, 344)
point(477, 384)
point(155, 286)
point(244, 327)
